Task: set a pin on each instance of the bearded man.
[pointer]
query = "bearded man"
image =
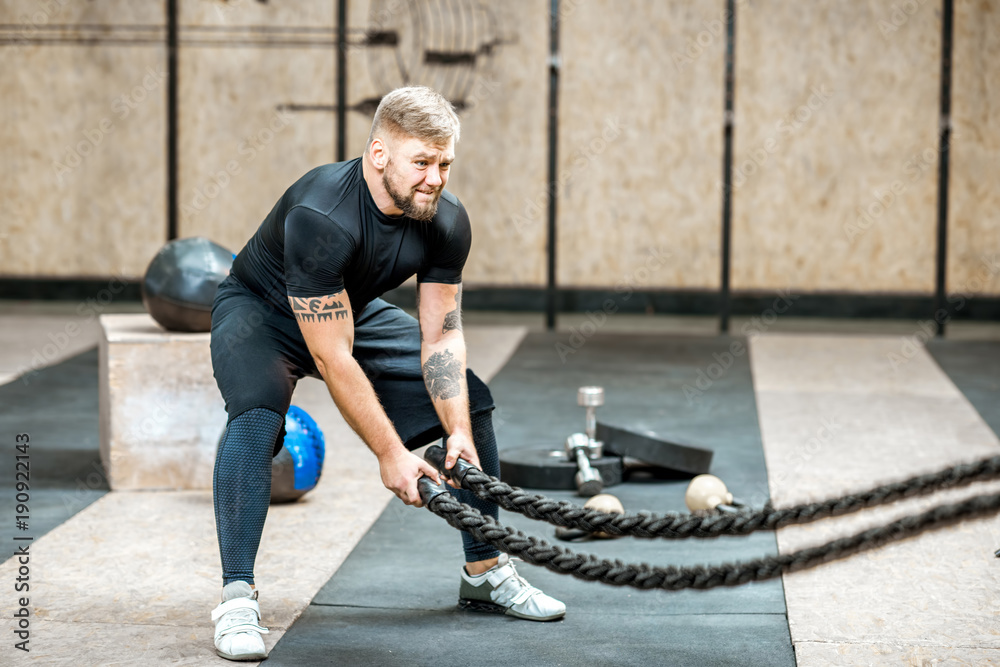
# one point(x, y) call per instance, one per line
point(303, 300)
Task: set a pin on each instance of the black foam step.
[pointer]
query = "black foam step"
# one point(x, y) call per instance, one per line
point(652, 449)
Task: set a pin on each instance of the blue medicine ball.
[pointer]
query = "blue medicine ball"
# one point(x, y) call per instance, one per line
point(297, 466)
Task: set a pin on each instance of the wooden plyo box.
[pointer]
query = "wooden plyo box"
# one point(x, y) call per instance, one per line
point(161, 413)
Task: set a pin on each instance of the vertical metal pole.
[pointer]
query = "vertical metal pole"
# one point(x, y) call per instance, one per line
point(341, 80)
point(172, 229)
point(727, 169)
point(944, 140)
point(551, 291)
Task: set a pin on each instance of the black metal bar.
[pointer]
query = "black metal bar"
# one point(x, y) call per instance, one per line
point(944, 139)
point(172, 230)
point(551, 288)
point(341, 80)
point(450, 57)
point(381, 38)
point(727, 169)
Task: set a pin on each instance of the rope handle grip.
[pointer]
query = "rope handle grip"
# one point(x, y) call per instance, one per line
point(429, 490)
point(436, 455)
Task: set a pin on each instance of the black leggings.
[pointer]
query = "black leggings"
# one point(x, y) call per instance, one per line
point(242, 488)
point(258, 356)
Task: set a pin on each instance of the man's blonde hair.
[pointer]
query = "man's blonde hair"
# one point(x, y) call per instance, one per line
point(416, 111)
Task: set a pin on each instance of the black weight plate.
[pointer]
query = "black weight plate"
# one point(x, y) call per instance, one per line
point(549, 469)
point(651, 449)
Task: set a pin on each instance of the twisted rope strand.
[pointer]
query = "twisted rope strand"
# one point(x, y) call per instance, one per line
point(591, 568)
point(673, 525)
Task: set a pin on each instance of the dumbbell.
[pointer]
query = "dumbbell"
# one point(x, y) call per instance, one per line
point(581, 462)
point(591, 398)
point(588, 481)
point(582, 447)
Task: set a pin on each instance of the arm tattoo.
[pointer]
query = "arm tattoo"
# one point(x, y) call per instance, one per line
point(443, 375)
point(453, 320)
point(317, 309)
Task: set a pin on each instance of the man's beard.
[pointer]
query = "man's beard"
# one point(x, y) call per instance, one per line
point(407, 202)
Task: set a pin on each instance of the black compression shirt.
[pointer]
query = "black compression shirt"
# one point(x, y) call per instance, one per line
point(326, 234)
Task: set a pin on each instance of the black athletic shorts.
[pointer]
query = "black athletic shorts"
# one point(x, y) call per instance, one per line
point(258, 355)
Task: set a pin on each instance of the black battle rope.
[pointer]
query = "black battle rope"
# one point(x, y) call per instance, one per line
point(591, 568)
point(712, 524)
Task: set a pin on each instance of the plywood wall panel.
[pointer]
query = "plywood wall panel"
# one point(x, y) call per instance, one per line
point(317, 15)
point(82, 179)
point(835, 159)
point(36, 15)
point(640, 143)
point(240, 144)
point(835, 146)
point(500, 169)
point(974, 190)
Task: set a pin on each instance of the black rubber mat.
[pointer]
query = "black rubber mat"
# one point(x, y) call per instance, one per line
point(57, 408)
point(408, 637)
point(393, 600)
point(974, 367)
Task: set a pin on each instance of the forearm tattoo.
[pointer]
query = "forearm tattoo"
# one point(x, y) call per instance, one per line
point(453, 320)
point(317, 309)
point(443, 375)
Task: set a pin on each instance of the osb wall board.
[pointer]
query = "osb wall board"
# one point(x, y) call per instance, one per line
point(974, 164)
point(41, 16)
point(83, 135)
point(835, 160)
point(252, 119)
point(490, 59)
point(318, 16)
point(640, 144)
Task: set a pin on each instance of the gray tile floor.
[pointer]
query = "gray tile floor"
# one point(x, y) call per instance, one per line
point(58, 405)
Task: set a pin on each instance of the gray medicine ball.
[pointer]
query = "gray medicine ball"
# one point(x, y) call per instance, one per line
point(181, 281)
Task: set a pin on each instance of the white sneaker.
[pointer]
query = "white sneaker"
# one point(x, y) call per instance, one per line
point(502, 590)
point(237, 624)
